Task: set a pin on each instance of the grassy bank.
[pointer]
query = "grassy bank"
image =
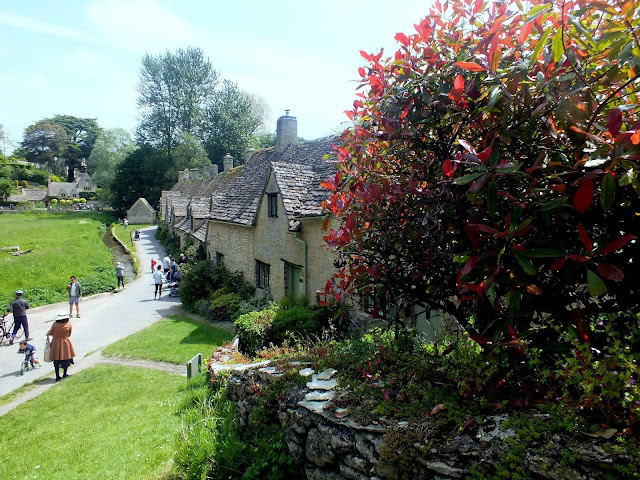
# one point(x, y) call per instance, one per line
point(173, 339)
point(63, 244)
point(104, 422)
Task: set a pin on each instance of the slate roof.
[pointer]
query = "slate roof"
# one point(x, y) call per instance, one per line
point(56, 189)
point(29, 195)
point(238, 200)
point(199, 207)
point(144, 202)
point(201, 233)
point(178, 206)
point(184, 225)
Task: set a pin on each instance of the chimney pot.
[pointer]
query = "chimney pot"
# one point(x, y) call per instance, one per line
point(180, 176)
point(210, 171)
point(227, 162)
point(194, 174)
point(286, 132)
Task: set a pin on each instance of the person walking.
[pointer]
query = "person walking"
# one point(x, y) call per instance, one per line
point(166, 264)
point(120, 274)
point(125, 222)
point(19, 309)
point(75, 295)
point(62, 351)
point(158, 277)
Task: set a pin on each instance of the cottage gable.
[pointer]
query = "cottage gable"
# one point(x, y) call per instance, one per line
point(141, 212)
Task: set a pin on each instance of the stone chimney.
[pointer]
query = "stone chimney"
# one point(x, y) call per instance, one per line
point(180, 176)
point(194, 174)
point(286, 132)
point(247, 154)
point(227, 162)
point(210, 171)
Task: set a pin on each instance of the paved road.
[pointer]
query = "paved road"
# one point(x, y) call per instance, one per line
point(104, 319)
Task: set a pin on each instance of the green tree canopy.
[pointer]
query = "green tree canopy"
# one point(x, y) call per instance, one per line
point(189, 153)
point(44, 143)
point(110, 149)
point(173, 91)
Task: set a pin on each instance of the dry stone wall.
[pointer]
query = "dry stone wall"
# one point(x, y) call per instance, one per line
point(327, 447)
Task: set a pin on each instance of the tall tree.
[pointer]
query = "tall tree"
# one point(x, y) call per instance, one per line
point(229, 121)
point(81, 137)
point(143, 173)
point(173, 89)
point(44, 143)
point(189, 153)
point(110, 149)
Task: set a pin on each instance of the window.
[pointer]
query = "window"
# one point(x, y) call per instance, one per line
point(219, 259)
point(262, 274)
point(272, 202)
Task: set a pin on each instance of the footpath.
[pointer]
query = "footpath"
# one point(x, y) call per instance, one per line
point(104, 319)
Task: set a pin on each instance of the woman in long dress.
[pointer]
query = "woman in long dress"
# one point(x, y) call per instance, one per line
point(62, 351)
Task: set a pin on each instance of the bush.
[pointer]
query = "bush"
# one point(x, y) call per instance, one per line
point(225, 307)
point(296, 321)
point(255, 304)
point(252, 329)
point(199, 281)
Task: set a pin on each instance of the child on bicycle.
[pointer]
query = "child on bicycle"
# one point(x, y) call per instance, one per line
point(30, 352)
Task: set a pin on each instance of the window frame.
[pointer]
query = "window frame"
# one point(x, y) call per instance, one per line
point(272, 205)
point(263, 275)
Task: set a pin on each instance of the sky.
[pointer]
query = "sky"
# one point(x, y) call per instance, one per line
point(83, 57)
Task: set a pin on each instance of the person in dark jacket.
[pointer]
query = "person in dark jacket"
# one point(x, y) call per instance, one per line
point(19, 309)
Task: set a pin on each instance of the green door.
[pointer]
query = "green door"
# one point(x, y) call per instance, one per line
point(296, 281)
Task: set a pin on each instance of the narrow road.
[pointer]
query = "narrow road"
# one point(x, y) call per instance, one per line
point(104, 319)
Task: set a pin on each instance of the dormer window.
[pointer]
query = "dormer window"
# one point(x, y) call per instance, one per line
point(272, 204)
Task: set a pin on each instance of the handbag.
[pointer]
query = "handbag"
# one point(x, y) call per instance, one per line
point(46, 356)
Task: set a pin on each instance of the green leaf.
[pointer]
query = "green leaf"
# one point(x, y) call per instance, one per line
point(463, 180)
point(492, 198)
point(595, 285)
point(607, 191)
point(524, 262)
point(557, 47)
point(555, 203)
point(535, 12)
point(513, 301)
point(539, 47)
point(493, 97)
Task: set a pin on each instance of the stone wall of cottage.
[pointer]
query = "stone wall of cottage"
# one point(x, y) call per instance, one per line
point(235, 242)
point(326, 447)
point(320, 259)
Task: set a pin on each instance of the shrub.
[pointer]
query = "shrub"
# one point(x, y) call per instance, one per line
point(225, 307)
point(199, 280)
point(252, 328)
point(254, 304)
point(296, 321)
point(25, 184)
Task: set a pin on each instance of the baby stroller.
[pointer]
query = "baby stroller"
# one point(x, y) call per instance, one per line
point(136, 235)
point(174, 283)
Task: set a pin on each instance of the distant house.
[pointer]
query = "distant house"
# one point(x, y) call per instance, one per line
point(69, 190)
point(29, 195)
point(141, 212)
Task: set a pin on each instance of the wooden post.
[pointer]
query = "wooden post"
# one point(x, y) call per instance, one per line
point(194, 366)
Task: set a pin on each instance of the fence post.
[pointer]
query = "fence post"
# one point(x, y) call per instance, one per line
point(194, 362)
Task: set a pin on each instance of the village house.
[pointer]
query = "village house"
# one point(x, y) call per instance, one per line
point(264, 217)
point(69, 190)
point(141, 213)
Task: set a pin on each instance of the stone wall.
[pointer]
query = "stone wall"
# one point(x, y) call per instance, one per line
point(329, 446)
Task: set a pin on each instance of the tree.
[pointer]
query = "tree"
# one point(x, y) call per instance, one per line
point(492, 172)
point(82, 134)
point(189, 153)
point(173, 89)
point(6, 186)
point(110, 149)
point(229, 121)
point(143, 173)
point(44, 143)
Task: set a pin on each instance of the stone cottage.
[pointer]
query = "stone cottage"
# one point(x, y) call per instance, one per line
point(69, 190)
point(264, 217)
point(141, 212)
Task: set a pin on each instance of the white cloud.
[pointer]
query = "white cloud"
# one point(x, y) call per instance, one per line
point(25, 23)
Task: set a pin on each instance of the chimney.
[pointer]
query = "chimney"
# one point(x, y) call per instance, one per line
point(247, 154)
point(180, 176)
point(227, 162)
point(286, 132)
point(210, 171)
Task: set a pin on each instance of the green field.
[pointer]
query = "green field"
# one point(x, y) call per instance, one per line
point(173, 339)
point(104, 422)
point(63, 244)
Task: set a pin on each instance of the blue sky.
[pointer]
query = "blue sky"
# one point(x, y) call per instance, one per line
point(82, 58)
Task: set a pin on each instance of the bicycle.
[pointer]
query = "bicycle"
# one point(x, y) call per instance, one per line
point(5, 332)
point(27, 363)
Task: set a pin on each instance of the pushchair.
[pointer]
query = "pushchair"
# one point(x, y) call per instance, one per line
point(174, 283)
point(136, 235)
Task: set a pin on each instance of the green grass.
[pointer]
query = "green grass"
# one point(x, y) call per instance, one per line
point(18, 392)
point(63, 244)
point(173, 339)
point(105, 422)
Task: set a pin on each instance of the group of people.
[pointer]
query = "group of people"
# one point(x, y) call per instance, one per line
point(168, 270)
point(61, 348)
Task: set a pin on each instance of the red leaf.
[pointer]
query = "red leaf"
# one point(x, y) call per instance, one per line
point(577, 258)
point(458, 84)
point(481, 339)
point(610, 272)
point(525, 30)
point(535, 289)
point(616, 244)
point(447, 168)
point(436, 409)
point(584, 238)
point(558, 264)
point(614, 121)
point(583, 198)
point(469, 264)
point(328, 185)
point(361, 72)
point(512, 332)
point(402, 38)
point(473, 67)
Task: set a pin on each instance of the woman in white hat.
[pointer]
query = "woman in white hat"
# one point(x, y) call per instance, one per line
point(62, 351)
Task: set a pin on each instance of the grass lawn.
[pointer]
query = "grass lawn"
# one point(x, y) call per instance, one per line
point(104, 422)
point(173, 339)
point(63, 244)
